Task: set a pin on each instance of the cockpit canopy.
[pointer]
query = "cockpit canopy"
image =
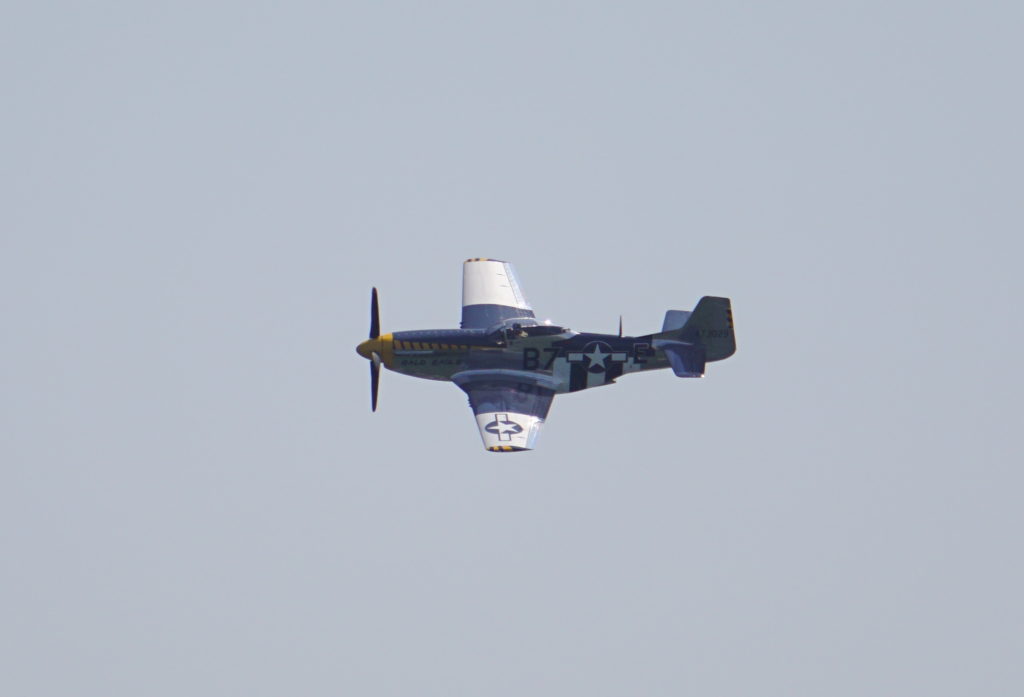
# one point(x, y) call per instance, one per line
point(544, 330)
point(514, 329)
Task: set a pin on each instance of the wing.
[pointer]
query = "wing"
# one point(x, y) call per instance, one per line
point(491, 294)
point(510, 406)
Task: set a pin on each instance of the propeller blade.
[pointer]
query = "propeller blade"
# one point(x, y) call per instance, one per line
point(620, 325)
point(374, 316)
point(374, 381)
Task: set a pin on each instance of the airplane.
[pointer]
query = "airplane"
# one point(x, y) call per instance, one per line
point(512, 366)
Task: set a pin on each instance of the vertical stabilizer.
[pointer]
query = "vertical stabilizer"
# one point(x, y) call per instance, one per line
point(691, 339)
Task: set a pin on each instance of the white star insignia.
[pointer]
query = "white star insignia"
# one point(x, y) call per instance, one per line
point(597, 357)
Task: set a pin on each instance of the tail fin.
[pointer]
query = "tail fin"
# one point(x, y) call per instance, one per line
point(711, 326)
point(705, 335)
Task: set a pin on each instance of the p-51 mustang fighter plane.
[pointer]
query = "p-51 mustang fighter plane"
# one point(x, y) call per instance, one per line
point(512, 366)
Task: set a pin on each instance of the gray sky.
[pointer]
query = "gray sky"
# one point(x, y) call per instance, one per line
point(197, 197)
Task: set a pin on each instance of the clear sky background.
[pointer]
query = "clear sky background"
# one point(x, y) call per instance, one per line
point(197, 198)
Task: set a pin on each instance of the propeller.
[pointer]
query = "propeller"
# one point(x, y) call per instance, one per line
point(374, 380)
point(366, 349)
point(374, 315)
point(620, 325)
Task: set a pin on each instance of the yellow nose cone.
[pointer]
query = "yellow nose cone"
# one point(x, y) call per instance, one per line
point(368, 347)
point(383, 346)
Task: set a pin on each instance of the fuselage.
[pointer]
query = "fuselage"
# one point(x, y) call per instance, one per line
point(571, 360)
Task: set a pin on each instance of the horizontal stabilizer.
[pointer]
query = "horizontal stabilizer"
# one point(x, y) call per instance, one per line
point(675, 319)
point(687, 360)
